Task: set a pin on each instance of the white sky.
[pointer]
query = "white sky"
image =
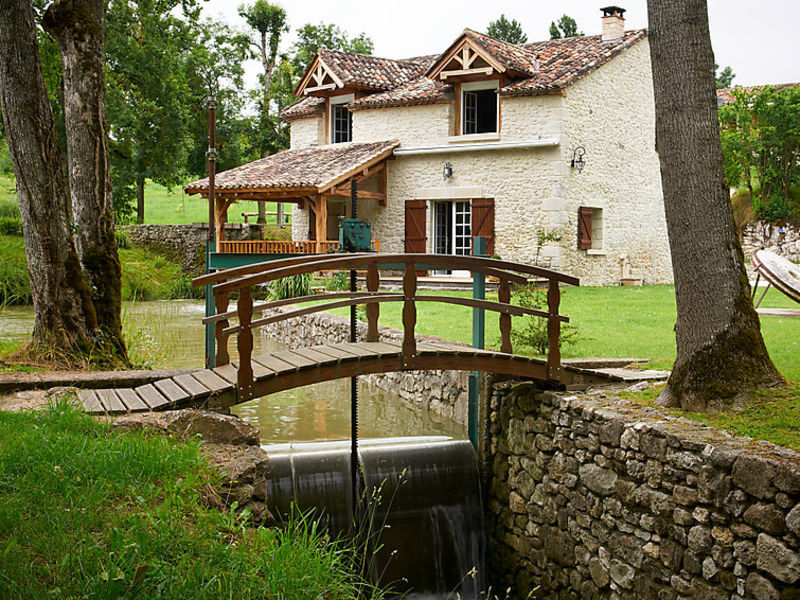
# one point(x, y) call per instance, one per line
point(760, 45)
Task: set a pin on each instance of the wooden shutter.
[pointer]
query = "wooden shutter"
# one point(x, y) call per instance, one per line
point(483, 221)
point(415, 226)
point(584, 228)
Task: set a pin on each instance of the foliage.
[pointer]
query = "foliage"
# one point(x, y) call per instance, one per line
point(293, 286)
point(86, 512)
point(509, 31)
point(533, 332)
point(338, 281)
point(565, 27)
point(724, 78)
point(15, 286)
point(310, 38)
point(269, 22)
point(10, 226)
point(760, 133)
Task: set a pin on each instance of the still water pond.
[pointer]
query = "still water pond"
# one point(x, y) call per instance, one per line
point(317, 412)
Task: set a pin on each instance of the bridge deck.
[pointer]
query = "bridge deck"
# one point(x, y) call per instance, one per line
point(289, 369)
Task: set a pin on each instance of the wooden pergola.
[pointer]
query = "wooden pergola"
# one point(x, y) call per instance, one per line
point(306, 177)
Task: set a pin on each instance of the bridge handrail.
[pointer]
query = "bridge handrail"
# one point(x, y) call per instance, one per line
point(243, 278)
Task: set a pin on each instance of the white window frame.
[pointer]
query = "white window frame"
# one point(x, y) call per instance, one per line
point(475, 86)
point(334, 101)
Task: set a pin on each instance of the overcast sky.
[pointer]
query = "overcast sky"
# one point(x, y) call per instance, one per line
point(760, 45)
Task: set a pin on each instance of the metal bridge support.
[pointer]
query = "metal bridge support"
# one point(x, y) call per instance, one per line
point(478, 341)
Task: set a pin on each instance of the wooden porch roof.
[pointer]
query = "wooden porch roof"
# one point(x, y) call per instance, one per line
point(294, 175)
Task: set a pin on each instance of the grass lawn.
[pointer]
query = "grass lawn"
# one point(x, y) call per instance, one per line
point(90, 513)
point(634, 322)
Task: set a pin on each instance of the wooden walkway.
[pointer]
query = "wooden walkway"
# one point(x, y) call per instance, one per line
point(288, 369)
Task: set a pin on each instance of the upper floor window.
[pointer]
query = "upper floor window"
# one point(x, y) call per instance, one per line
point(479, 107)
point(341, 119)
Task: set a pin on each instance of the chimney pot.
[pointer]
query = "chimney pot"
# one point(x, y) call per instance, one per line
point(613, 23)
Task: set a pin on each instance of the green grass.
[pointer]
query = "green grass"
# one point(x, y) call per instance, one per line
point(15, 287)
point(635, 322)
point(772, 415)
point(89, 513)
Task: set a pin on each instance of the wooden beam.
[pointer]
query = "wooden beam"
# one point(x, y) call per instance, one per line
point(355, 171)
point(320, 88)
point(465, 72)
point(322, 222)
point(342, 191)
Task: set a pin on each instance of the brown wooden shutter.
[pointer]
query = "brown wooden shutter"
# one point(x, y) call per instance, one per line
point(415, 226)
point(483, 221)
point(584, 228)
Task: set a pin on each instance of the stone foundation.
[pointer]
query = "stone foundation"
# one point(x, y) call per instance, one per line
point(783, 240)
point(443, 392)
point(596, 498)
point(186, 244)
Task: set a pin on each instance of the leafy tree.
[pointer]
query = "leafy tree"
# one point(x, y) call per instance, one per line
point(725, 77)
point(761, 142)
point(310, 38)
point(509, 31)
point(565, 27)
point(721, 354)
point(269, 22)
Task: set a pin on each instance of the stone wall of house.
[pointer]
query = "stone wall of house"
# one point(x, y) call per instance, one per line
point(186, 243)
point(596, 498)
point(611, 113)
point(443, 392)
point(307, 132)
point(783, 239)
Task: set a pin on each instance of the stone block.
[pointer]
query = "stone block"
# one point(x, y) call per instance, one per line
point(599, 480)
point(754, 475)
point(773, 557)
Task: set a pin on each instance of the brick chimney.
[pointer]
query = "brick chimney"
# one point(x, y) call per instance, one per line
point(613, 23)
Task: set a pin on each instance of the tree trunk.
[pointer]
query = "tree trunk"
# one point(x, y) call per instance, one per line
point(139, 199)
point(77, 26)
point(720, 352)
point(262, 212)
point(64, 318)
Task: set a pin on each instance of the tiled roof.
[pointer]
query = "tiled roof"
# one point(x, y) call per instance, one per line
point(514, 56)
point(417, 92)
point(305, 107)
point(563, 62)
point(360, 70)
point(313, 167)
point(724, 95)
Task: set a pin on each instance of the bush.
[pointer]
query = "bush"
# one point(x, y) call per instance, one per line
point(10, 226)
point(533, 332)
point(338, 281)
point(291, 287)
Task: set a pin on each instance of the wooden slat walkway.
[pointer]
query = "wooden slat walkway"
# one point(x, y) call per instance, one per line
point(289, 369)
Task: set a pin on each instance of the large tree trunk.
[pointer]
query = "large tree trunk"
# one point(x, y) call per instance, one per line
point(77, 26)
point(139, 199)
point(64, 318)
point(721, 354)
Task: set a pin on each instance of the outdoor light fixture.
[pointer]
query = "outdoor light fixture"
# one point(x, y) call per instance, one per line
point(447, 172)
point(577, 158)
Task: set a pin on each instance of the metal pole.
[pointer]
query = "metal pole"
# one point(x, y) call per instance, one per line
point(478, 341)
point(353, 380)
point(211, 156)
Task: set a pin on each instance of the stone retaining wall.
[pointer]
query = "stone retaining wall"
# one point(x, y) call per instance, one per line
point(443, 392)
point(186, 243)
point(596, 498)
point(783, 240)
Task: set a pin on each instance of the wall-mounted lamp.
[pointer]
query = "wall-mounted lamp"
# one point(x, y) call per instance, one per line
point(447, 171)
point(577, 161)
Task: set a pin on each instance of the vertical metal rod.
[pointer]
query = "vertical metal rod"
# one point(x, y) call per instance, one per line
point(353, 380)
point(211, 156)
point(478, 341)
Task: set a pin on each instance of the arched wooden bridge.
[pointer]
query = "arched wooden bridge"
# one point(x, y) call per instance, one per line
point(230, 383)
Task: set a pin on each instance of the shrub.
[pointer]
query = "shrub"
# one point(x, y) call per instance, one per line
point(291, 287)
point(338, 281)
point(533, 332)
point(10, 226)
point(121, 238)
point(182, 288)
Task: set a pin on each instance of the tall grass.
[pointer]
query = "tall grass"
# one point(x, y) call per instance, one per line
point(15, 287)
point(88, 513)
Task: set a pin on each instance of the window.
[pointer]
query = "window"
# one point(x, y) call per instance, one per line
point(479, 107)
point(590, 229)
point(341, 119)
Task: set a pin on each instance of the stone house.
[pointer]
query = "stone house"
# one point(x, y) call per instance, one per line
point(546, 149)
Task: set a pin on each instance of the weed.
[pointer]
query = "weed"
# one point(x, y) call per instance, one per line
point(533, 332)
point(291, 287)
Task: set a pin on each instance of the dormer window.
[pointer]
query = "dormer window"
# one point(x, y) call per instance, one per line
point(479, 107)
point(341, 119)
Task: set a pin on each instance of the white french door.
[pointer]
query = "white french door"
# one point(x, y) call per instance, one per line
point(452, 230)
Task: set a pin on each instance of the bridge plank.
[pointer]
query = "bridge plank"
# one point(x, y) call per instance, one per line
point(211, 380)
point(152, 397)
point(88, 398)
point(131, 400)
point(382, 348)
point(318, 357)
point(259, 370)
point(297, 360)
point(274, 363)
point(193, 387)
point(354, 348)
point(336, 353)
point(111, 401)
point(171, 390)
point(228, 373)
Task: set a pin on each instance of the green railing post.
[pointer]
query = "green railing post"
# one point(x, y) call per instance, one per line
point(478, 340)
point(210, 310)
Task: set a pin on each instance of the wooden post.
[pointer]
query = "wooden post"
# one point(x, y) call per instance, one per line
point(221, 306)
point(553, 331)
point(504, 295)
point(322, 223)
point(409, 313)
point(244, 375)
point(373, 308)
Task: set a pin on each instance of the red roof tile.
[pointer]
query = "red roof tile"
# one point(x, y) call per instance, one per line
point(309, 106)
point(361, 70)
point(313, 167)
point(417, 92)
point(724, 95)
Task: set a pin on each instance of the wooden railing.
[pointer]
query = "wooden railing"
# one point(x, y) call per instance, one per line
point(241, 279)
point(283, 246)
